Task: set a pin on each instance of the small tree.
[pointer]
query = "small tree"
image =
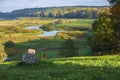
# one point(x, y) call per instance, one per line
point(9, 44)
point(68, 49)
point(102, 41)
point(2, 53)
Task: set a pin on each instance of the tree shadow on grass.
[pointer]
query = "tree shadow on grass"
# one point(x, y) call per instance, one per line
point(51, 71)
point(87, 58)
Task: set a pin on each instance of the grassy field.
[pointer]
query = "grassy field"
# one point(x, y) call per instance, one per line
point(48, 46)
point(17, 26)
point(76, 22)
point(24, 41)
point(74, 68)
point(69, 24)
point(23, 22)
point(83, 67)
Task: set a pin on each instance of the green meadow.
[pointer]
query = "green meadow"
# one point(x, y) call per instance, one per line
point(74, 68)
point(83, 67)
point(69, 24)
point(50, 45)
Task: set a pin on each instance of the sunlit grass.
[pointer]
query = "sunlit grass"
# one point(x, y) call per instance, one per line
point(109, 61)
point(50, 54)
point(74, 68)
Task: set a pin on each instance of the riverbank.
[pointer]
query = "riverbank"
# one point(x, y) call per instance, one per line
point(45, 33)
point(47, 40)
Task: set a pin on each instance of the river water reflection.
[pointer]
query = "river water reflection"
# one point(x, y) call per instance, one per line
point(46, 33)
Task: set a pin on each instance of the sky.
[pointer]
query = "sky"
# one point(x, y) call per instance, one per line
point(10, 5)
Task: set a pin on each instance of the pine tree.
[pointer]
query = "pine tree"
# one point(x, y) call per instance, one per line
point(68, 49)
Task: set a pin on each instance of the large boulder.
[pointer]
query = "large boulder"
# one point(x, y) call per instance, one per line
point(30, 57)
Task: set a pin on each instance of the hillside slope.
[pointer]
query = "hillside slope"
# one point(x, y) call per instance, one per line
point(75, 68)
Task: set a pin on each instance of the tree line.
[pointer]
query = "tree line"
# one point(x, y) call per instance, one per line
point(58, 12)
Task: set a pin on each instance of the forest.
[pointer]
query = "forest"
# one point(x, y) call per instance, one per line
point(58, 12)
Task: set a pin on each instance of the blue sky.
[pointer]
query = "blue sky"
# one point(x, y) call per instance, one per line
point(9, 5)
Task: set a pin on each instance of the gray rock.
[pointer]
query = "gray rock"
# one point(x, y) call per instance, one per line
point(31, 51)
point(30, 57)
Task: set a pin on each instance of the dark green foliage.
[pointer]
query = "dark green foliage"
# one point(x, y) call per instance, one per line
point(57, 12)
point(9, 44)
point(47, 27)
point(103, 22)
point(102, 41)
point(42, 64)
point(68, 49)
point(23, 64)
point(115, 18)
point(114, 1)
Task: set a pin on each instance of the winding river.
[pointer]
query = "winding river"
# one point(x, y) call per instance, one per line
point(46, 33)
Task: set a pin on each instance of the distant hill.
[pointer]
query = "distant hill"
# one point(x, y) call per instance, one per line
point(58, 12)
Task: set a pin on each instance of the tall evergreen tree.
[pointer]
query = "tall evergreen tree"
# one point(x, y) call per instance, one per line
point(68, 49)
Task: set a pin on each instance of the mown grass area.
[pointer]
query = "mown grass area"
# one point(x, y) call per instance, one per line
point(74, 68)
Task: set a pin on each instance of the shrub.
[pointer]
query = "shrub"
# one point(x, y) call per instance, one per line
point(9, 44)
point(10, 51)
point(47, 27)
point(68, 49)
point(42, 56)
point(2, 53)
